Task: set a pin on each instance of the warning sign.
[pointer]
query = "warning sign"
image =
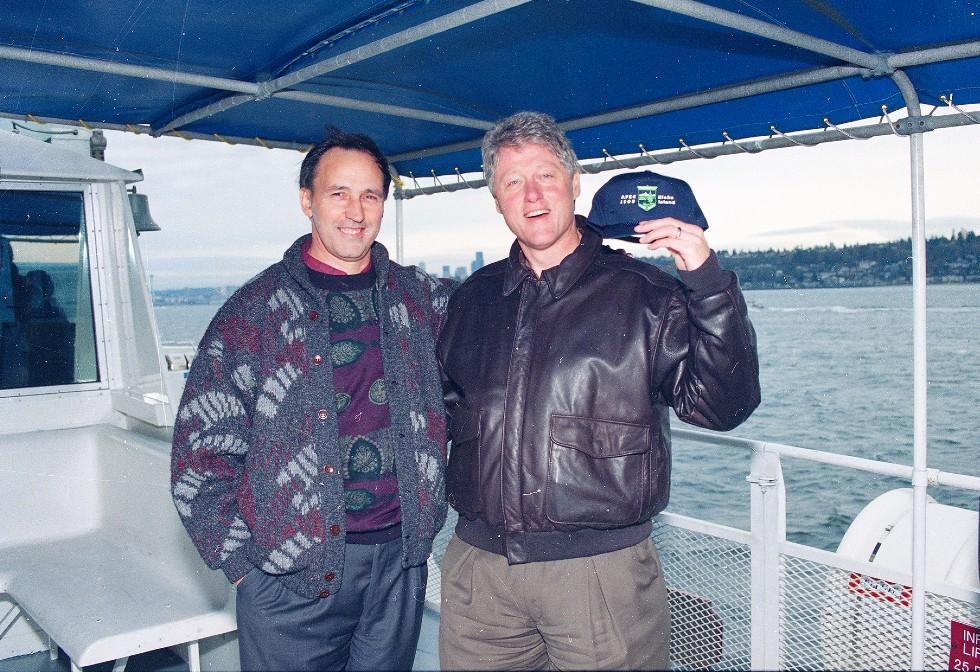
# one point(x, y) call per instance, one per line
point(964, 646)
point(879, 589)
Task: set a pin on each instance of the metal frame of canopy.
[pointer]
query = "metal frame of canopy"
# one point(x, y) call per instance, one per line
point(857, 63)
point(278, 88)
point(853, 63)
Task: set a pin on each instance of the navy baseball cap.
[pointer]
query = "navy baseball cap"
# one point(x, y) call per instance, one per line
point(628, 199)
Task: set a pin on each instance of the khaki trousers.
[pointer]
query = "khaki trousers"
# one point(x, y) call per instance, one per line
point(604, 612)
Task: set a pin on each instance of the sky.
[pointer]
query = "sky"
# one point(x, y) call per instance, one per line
point(227, 212)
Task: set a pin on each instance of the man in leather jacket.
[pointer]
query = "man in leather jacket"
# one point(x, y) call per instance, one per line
point(560, 365)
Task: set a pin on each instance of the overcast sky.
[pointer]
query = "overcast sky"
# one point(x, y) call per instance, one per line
point(227, 212)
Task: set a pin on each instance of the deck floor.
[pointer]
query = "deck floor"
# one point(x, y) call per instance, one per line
point(164, 660)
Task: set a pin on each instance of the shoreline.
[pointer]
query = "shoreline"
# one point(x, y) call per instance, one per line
point(173, 301)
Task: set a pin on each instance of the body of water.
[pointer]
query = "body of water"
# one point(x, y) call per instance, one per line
point(836, 368)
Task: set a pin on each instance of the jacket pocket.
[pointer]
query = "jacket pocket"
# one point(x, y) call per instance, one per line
point(463, 470)
point(598, 472)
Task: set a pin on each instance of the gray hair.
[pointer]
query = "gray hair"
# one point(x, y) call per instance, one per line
point(523, 128)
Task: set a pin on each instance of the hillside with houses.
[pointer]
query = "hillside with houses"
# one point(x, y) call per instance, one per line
point(955, 259)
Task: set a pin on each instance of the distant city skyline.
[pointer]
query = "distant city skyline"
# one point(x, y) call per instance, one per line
point(461, 272)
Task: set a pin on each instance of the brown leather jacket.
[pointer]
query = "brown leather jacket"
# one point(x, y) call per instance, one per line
point(559, 390)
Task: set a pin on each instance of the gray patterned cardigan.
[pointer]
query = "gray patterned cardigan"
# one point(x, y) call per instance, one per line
point(256, 459)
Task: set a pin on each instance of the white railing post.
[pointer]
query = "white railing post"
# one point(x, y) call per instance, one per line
point(920, 377)
point(194, 656)
point(768, 528)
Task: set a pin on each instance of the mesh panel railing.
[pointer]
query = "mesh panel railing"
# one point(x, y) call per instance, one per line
point(830, 618)
point(433, 588)
point(834, 619)
point(827, 624)
point(941, 612)
point(709, 593)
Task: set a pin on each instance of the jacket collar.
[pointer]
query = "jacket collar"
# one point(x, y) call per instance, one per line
point(560, 278)
point(292, 259)
point(517, 270)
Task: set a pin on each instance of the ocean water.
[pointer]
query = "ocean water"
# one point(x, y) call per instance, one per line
point(836, 368)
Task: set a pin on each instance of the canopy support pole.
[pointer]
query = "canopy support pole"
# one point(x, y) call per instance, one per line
point(461, 17)
point(745, 24)
point(729, 147)
point(249, 90)
point(735, 91)
point(919, 377)
point(399, 226)
point(256, 90)
point(879, 64)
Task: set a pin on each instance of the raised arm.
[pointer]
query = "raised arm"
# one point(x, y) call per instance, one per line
point(710, 370)
point(711, 376)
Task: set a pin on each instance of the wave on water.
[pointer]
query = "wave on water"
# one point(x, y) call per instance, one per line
point(852, 309)
point(829, 309)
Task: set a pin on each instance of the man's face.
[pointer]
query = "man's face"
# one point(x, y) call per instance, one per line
point(536, 196)
point(345, 205)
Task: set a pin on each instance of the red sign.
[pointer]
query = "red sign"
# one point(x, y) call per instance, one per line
point(879, 589)
point(964, 646)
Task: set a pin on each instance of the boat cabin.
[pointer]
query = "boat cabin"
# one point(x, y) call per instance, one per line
point(93, 557)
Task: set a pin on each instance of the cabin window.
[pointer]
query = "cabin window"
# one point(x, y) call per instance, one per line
point(47, 332)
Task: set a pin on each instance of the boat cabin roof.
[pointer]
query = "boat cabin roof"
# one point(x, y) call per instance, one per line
point(28, 159)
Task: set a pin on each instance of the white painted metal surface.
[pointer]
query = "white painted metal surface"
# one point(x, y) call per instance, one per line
point(882, 534)
point(28, 159)
point(93, 556)
point(93, 551)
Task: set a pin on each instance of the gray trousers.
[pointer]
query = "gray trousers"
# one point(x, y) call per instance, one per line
point(604, 612)
point(371, 623)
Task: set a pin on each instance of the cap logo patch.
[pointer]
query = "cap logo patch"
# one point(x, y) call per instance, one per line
point(646, 197)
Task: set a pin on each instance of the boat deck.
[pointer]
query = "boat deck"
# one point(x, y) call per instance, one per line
point(165, 660)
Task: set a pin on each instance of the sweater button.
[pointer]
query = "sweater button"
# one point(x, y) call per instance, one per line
point(329, 576)
point(328, 469)
point(324, 593)
point(322, 414)
point(335, 530)
point(314, 315)
point(317, 360)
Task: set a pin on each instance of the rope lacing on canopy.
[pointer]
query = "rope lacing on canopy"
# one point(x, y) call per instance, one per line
point(949, 101)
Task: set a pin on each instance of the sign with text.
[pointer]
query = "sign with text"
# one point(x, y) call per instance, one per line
point(879, 589)
point(964, 646)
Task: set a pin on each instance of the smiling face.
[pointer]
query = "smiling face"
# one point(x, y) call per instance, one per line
point(345, 205)
point(536, 195)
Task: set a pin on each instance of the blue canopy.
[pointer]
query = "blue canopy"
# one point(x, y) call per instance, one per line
point(425, 78)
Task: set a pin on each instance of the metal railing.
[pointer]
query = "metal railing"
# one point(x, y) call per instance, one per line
point(750, 599)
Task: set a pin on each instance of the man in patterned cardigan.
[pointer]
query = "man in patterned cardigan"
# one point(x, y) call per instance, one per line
point(309, 447)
